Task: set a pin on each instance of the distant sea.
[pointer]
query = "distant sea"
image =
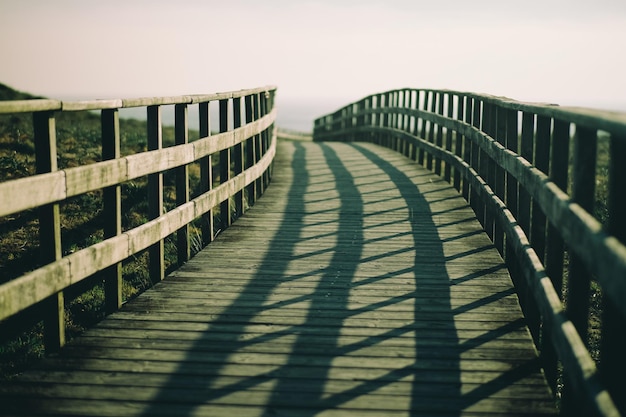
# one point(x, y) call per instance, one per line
point(293, 114)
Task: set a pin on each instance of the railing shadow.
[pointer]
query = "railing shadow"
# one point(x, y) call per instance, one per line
point(429, 389)
point(320, 362)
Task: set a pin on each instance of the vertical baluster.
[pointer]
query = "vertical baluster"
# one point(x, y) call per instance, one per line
point(206, 172)
point(382, 137)
point(583, 193)
point(447, 173)
point(475, 202)
point(49, 228)
point(390, 120)
point(112, 208)
point(511, 143)
point(368, 117)
point(500, 120)
point(559, 167)
point(487, 166)
point(439, 133)
point(559, 164)
point(542, 162)
point(407, 123)
point(155, 194)
point(431, 128)
point(238, 156)
point(423, 107)
point(402, 142)
point(250, 153)
point(265, 140)
point(527, 152)
point(414, 124)
point(613, 343)
point(181, 133)
point(257, 143)
point(467, 146)
point(225, 206)
point(459, 139)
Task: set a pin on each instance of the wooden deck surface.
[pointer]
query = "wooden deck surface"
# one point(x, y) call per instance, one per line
point(358, 285)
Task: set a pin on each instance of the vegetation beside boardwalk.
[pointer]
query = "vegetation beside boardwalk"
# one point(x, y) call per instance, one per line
point(79, 143)
point(78, 137)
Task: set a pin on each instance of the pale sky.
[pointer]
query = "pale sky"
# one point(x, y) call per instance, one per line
point(336, 51)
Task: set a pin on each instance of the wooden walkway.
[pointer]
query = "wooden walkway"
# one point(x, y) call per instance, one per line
point(358, 285)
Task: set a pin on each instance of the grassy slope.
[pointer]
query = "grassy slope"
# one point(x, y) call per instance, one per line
point(78, 142)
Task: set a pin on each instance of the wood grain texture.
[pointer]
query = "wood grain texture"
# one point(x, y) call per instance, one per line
point(358, 285)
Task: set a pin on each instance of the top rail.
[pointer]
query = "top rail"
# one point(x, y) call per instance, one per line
point(547, 183)
point(242, 151)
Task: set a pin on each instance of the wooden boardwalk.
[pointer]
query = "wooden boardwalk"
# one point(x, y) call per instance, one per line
point(358, 285)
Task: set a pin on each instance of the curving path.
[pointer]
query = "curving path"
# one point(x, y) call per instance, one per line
point(360, 284)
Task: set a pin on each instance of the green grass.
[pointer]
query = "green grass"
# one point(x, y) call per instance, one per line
point(78, 143)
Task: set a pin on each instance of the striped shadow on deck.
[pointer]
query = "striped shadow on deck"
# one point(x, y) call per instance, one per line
point(358, 285)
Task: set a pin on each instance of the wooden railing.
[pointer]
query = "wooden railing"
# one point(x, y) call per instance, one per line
point(246, 145)
point(530, 173)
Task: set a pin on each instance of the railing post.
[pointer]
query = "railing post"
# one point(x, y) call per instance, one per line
point(613, 343)
point(475, 202)
point(155, 194)
point(447, 173)
point(554, 244)
point(423, 97)
point(583, 193)
point(414, 124)
point(500, 119)
point(440, 107)
point(487, 166)
point(250, 147)
point(238, 162)
point(511, 142)
point(49, 228)
point(181, 126)
point(258, 188)
point(468, 146)
point(225, 206)
point(206, 172)
point(264, 141)
point(112, 208)
point(459, 139)
point(559, 167)
point(527, 152)
point(406, 103)
point(432, 107)
point(542, 162)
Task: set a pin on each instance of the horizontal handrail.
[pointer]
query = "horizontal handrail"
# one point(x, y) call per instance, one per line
point(511, 161)
point(245, 144)
point(35, 105)
point(37, 190)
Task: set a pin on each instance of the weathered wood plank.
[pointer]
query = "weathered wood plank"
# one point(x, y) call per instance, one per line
point(334, 295)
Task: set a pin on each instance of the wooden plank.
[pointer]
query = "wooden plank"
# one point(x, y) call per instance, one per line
point(28, 106)
point(85, 178)
point(334, 295)
point(91, 105)
point(30, 192)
